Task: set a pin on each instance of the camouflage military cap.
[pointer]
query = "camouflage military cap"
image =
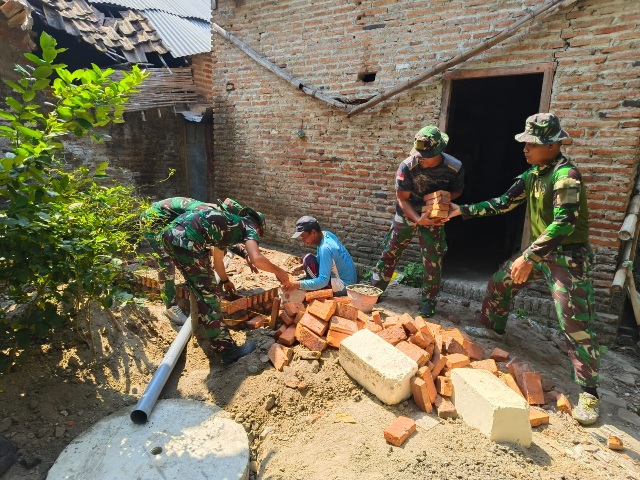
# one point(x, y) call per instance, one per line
point(429, 142)
point(543, 129)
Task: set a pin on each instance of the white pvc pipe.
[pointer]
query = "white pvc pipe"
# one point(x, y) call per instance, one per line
point(150, 396)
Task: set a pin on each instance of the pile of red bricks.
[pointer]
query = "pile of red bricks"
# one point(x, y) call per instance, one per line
point(326, 320)
point(437, 204)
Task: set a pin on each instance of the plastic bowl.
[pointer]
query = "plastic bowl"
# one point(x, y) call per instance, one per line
point(363, 302)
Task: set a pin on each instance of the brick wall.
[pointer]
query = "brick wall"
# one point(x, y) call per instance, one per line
point(202, 68)
point(342, 170)
point(143, 151)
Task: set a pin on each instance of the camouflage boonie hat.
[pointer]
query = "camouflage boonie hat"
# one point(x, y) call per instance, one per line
point(429, 142)
point(543, 129)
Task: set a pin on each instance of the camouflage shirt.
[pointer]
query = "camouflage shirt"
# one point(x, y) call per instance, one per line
point(557, 201)
point(211, 227)
point(411, 177)
point(163, 212)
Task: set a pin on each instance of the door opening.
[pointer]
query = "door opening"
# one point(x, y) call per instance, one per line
point(483, 116)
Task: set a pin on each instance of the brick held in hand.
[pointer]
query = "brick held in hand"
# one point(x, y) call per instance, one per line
point(440, 195)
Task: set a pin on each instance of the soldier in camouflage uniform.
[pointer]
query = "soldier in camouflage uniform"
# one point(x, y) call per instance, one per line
point(426, 170)
point(187, 240)
point(559, 252)
point(155, 219)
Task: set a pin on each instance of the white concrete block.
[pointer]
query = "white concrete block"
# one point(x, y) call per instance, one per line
point(378, 366)
point(485, 402)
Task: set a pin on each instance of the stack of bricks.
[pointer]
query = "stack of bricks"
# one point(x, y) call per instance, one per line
point(323, 321)
point(437, 204)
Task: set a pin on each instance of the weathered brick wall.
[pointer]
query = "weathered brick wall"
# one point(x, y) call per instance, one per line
point(142, 152)
point(202, 68)
point(342, 170)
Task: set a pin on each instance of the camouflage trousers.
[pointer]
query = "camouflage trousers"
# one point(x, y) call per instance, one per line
point(433, 247)
point(198, 272)
point(567, 275)
point(166, 269)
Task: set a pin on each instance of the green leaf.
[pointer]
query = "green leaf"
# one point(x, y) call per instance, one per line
point(29, 95)
point(43, 71)
point(13, 103)
point(15, 86)
point(29, 132)
point(7, 115)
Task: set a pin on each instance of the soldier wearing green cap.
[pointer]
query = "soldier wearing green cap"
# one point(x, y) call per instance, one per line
point(187, 240)
point(558, 251)
point(427, 169)
point(155, 219)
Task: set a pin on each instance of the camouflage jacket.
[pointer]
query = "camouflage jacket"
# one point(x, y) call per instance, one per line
point(557, 201)
point(210, 227)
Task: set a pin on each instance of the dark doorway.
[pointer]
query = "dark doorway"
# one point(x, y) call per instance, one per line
point(483, 117)
point(198, 160)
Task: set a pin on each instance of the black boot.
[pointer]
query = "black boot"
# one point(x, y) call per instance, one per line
point(235, 353)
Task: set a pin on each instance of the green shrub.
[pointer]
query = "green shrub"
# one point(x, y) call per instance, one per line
point(64, 237)
point(412, 275)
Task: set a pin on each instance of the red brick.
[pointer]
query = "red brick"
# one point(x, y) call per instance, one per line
point(538, 417)
point(288, 337)
point(309, 339)
point(393, 335)
point(499, 355)
point(342, 300)
point(323, 310)
point(280, 356)
point(405, 319)
point(444, 386)
point(532, 388)
point(399, 430)
point(343, 325)
point(511, 383)
point(346, 311)
point(334, 338)
point(363, 317)
point(445, 408)
point(256, 322)
point(376, 318)
point(457, 360)
point(439, 362)
point(451, 345)
point(421, 394)
point(453, 333)
point(414, 352)
point(279, 332)
point(318, 294)
point(286, 318)
point(425, 374)
point(488, 364)
point(391, 321)
point(474, 351)
point(314, 324)
point(434, 328)
point(292, 308)
point(374, 327)
point(421, 340)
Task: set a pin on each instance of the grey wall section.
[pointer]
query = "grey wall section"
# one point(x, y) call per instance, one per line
point(143, 151)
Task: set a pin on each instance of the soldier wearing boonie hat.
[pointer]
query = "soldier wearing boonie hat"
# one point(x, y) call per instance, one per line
point(558, 251)
point(427, 169)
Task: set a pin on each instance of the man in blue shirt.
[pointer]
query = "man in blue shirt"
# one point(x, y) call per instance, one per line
point(332, 267)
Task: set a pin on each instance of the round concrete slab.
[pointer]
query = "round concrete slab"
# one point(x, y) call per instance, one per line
point(183, 439)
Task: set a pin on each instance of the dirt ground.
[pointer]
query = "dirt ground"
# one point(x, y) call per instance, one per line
point(311, 421)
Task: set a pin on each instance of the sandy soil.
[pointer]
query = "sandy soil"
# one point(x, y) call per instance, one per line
point(310, 421)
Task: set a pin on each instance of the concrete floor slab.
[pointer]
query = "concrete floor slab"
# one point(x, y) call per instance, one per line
point(183, 439)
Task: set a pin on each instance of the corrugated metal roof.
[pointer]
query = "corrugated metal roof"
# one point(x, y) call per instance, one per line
point(181, 8)
point(183, 36)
